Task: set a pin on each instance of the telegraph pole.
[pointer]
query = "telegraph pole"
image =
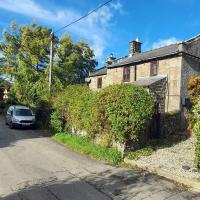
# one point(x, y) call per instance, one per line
point(51, 60)
point(52, 37)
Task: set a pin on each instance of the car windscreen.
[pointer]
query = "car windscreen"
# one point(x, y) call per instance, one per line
point(23, 112)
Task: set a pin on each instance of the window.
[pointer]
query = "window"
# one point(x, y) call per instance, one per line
point(99, 82)
point(154, 68)
point(23, 112)
point(126, 74)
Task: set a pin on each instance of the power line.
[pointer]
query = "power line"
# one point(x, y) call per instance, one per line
point(52, 36)
point(84, 16)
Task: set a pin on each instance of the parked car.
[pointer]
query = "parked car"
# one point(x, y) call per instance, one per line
point(20, 116)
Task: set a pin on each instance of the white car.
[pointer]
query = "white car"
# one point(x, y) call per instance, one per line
point(20, 116)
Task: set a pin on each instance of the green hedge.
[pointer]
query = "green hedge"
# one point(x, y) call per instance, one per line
point(127, 108)
point(120, 112)
point(75, 107)
point(196, 129)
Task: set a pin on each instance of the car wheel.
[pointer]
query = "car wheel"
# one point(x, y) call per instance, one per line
point(11, 125)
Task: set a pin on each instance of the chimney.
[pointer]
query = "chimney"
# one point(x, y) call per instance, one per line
point(134, 47)
point(110, 59)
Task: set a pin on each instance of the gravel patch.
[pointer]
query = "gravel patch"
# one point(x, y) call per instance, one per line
point(177, 159)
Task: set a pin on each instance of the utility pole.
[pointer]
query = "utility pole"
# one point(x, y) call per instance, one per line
point(51, 60)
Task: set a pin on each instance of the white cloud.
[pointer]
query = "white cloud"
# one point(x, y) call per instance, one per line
point(164, 42)
point(94, 29)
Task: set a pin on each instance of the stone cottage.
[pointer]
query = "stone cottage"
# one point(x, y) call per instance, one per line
point(164, 71)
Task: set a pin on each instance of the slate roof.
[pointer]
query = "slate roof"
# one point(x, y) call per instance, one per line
point(140, 57)
point(99, 72)
point(147, 81)
point(156, 53)
point(172, 49)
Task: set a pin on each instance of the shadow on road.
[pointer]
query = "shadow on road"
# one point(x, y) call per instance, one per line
point(8, 136)
point(123, 184)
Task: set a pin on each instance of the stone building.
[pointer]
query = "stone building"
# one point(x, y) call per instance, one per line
point(164, 71)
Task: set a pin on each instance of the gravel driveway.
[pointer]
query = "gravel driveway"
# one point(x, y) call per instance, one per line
point(34, 167)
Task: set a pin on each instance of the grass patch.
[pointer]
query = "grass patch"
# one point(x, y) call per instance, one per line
point(87, 147)
point(147, 151)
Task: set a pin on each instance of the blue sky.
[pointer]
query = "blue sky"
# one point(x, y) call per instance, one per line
point(156, 22)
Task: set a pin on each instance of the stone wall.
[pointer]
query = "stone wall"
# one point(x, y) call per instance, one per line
point(190, 68)
point(171, 67)
point(115, 75)
point(93, 83)
point(143, 70)
point(159, 90)
point(170, 123)
point(192, 47)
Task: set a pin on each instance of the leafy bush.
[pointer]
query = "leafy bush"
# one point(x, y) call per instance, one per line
point(118, 112)
point(86, 146)
point(127, 108)
point(42, 111)
point(2, 104)
point(147, 151)
point(77, 108)
point(196, 130)
point(56, 122)
point(194, 88)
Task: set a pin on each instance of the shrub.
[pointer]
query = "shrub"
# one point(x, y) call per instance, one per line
point(118, 112)
point(194, 88)
point(77, 108)
point(147, 151)
point(2, 105)
point(56, 122)
point(194, 92)
point(42, 111)
point(127, 108)
point(196, 129)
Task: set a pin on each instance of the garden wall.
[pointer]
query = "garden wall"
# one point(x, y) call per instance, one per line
point(170, 123)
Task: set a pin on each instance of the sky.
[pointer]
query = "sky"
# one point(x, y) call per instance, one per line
point(155, 22)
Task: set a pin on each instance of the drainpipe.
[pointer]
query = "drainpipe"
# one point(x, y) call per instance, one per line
point(135, 75)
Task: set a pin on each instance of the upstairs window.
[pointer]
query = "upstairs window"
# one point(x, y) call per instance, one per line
point(99, 82)
point(126, 74)
point(154, 68)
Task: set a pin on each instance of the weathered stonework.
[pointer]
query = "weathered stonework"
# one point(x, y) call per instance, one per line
point(178, 63)
point(93, 84)
point(170, 124)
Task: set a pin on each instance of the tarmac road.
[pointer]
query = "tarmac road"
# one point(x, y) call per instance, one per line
point(34, 167)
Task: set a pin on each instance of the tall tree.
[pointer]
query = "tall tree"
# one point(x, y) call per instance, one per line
point(26, 58)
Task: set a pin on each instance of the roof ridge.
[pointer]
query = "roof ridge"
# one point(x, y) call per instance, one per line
point(163, 47)
point(193, 38)
point(99, 69)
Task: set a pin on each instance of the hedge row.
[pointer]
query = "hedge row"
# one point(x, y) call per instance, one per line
point(196, 129)
point(118, 112)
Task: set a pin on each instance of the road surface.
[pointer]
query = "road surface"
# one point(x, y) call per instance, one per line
point(34, 167)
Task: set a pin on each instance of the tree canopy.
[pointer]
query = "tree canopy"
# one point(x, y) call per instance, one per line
point(25, 50)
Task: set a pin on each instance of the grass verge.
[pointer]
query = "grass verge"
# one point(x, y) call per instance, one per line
point(147, 151)
point(87, 147)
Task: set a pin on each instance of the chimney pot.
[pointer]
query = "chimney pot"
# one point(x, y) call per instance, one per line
point(134, 47)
